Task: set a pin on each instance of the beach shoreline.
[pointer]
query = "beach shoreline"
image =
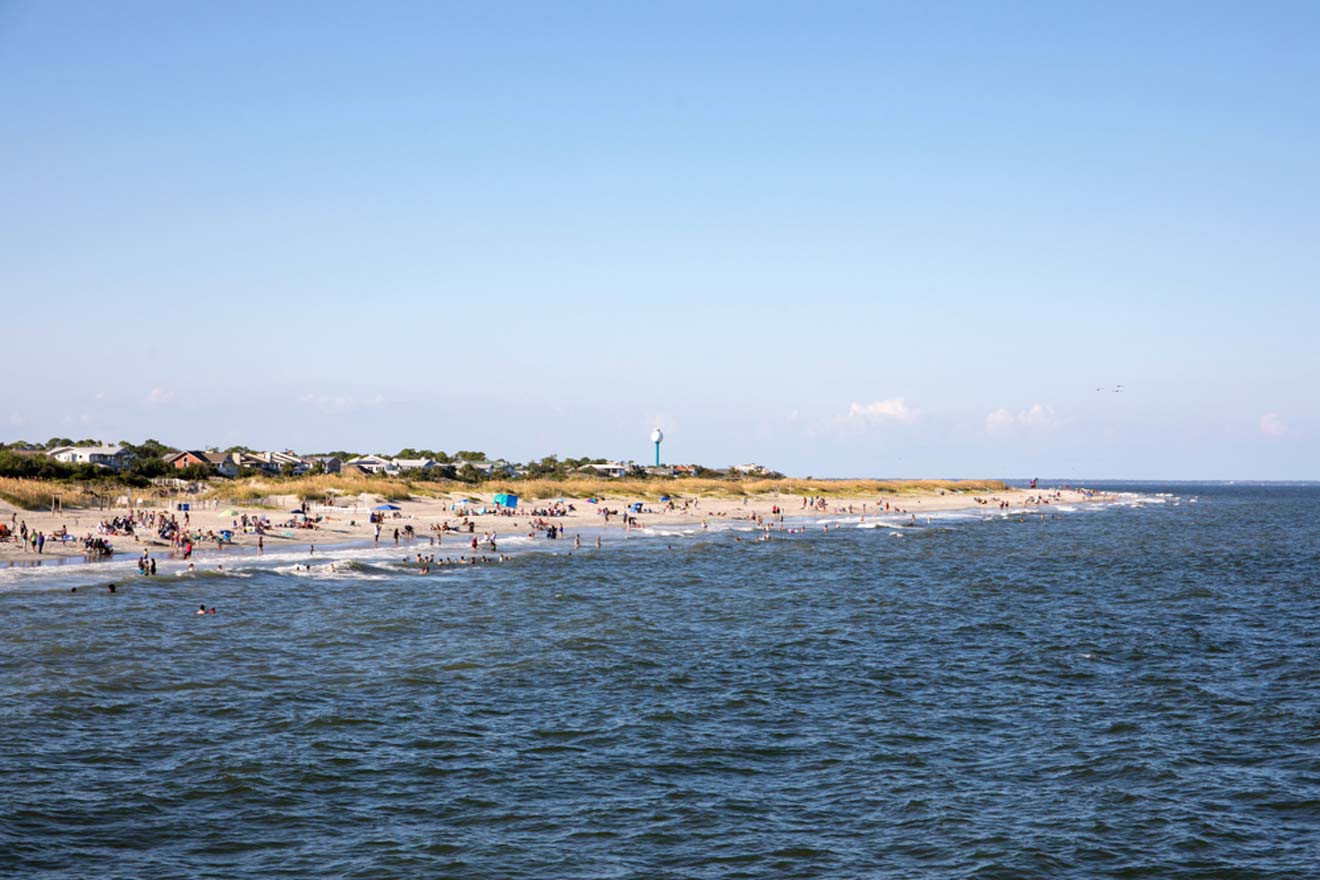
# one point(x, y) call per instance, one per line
point(347, 525)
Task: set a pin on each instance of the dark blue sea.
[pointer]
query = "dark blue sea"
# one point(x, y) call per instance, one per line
point(1126, 690)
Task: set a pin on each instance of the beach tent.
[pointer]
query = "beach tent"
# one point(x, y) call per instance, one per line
point(505, 499)
point(664, 497)
point(228, 513)
point(298, 510)
point(387, 507)
point(637, 508)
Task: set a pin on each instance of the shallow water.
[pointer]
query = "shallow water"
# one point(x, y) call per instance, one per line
point(1127, 690)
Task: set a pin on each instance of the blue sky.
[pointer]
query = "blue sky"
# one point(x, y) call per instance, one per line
point(840, 239)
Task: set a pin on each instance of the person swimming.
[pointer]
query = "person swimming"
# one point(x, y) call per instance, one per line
point(201, 609)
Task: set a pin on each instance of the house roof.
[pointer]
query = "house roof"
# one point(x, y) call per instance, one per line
point(89, 450)
point(175, 456)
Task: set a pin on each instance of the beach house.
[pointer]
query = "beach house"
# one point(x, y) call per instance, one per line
point(369, 464)
point(223, 463)
point(411, 464)
point(489, 468)
point(187, 458)
point(611, 469)
point(113, 457)
point(283, 462)
point(329, 463)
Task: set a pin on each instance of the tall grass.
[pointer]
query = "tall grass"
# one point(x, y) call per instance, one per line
point(707, 488)
point(38, 494)
point(257, 488)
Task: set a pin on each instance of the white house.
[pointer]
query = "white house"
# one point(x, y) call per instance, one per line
point(114, 457)
point(275, 462)
point(372, 464)
point(487, 468)
point(412, 464)
point(612, 469)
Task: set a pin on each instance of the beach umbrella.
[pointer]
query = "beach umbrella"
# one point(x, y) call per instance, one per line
point(387, 507)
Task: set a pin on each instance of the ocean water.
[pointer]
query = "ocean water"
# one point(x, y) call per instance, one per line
point(1120, 690)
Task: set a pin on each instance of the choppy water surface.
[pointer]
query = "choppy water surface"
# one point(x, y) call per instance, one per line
point(1120, 691)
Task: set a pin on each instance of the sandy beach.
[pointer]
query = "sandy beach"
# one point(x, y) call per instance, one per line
point(348, 522)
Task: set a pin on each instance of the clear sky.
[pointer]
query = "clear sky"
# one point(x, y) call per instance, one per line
point(835, 238)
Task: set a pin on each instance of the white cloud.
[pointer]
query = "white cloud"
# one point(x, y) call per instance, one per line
point(862, 416)
point(1038, 418)
point(1272, 426)
point(158, 396)
point(895, 409)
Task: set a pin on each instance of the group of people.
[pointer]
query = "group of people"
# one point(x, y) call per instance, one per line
point(426, 562)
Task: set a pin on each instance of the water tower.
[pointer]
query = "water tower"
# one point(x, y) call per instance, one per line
point(656, 436)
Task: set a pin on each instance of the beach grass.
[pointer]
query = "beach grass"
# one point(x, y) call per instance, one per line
point(39, 494)
point(716, 488)
point(272, 492)
point(255, 489)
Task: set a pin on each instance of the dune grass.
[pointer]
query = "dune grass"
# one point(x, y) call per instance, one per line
point(37, 494)
point(254, 489)
point(706, 488)
point(258, 491)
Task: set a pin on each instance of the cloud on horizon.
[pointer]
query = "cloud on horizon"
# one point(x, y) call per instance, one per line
point(895, 409)
point(1273, 426)
point(1038, 418)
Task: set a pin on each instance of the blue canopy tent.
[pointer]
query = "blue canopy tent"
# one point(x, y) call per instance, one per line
point(387, 507)
point(506, 499)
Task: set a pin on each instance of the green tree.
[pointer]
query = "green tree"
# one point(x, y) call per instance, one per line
point(148, 467)
point(198, 473)
point(148, 449)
